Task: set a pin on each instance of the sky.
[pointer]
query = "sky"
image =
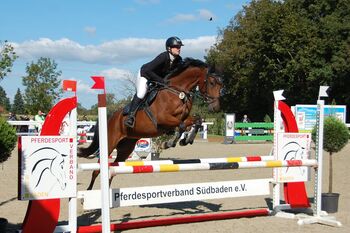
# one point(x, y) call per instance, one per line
point(110, 38)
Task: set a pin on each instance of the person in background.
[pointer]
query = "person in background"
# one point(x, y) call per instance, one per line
point(12, 117)
point(24, 128)
point(245, 119)
point(39, 118)
point(31, 126)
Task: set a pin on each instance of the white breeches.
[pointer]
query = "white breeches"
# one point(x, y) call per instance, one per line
point(141, 86)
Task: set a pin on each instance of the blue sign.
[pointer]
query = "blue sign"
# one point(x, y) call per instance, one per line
point(305, 115)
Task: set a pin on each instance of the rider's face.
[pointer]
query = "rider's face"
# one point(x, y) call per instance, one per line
point(175, 50)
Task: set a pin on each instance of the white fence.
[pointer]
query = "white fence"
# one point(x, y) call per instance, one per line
point(84, 127)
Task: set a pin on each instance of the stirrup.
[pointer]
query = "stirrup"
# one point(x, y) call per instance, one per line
point(130, 121)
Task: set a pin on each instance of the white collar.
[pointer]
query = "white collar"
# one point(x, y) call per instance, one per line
point(172, 57)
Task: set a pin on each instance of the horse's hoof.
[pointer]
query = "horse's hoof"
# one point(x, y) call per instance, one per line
point(164, 145)
point(183, 142)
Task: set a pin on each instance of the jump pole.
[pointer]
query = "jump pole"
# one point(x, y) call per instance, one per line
point(177, 220)
point(114, 170)
point(96, 166)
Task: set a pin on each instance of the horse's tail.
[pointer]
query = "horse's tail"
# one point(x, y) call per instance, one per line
point(93, 147)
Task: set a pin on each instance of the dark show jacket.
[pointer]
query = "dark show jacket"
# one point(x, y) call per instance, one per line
point(159, 67)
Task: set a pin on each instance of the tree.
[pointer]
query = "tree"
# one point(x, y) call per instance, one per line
point(4, 101)
point(81, 110)
point(18, 103)
point(113, 104)
point(8, 139)
point(336, 136)
point(294, 45)
point(41, 85)
point(7, 57)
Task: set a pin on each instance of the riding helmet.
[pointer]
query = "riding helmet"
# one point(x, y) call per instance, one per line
point(173, 41)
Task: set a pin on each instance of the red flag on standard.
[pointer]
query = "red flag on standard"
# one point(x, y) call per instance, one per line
point(99, 82)
point(70, 85)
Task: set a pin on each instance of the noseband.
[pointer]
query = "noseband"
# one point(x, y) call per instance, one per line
point(203, 84)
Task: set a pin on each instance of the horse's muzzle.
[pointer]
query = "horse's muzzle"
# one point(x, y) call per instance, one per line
point(214, 105)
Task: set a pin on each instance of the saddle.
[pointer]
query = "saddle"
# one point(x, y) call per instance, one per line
point(151, 94)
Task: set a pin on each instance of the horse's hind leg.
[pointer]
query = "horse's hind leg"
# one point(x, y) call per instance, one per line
point(93, 178)
point(124, 148)
point(119, 158)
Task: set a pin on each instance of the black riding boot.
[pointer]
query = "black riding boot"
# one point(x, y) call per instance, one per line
point(130, 119)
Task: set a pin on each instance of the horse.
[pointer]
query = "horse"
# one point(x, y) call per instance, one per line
point(169, 111)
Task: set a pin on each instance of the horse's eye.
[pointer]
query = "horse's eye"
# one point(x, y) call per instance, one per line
point(222, 91)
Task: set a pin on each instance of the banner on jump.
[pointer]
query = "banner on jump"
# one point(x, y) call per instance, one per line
point(178, 193)
point(229, 125)
point(305, 114)
point(47, 167)
point(293, 146)
point(143, 145)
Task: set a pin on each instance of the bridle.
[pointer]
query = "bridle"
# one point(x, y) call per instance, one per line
point(204, 87)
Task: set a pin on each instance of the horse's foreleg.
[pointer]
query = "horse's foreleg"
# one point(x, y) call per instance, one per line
point(172, 142)
point(193, 132)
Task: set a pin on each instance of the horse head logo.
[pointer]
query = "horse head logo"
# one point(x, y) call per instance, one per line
point(294, 151)
point(48, 160)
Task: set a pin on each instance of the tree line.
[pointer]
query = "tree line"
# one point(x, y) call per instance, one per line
point(295, 45)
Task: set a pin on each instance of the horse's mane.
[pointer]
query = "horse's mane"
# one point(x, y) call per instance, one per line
point(187, 62)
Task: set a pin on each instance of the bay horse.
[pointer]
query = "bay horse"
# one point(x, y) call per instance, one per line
point(169, 111)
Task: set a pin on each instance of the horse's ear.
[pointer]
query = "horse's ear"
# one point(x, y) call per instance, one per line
point(211, 70)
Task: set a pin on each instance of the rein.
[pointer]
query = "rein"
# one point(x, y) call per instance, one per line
point(203, 83)
point(185, 96)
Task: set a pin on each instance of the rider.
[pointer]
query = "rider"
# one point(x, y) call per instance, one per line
point(155, 71)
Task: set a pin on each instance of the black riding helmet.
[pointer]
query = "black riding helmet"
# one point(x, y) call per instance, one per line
point(173, 41)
